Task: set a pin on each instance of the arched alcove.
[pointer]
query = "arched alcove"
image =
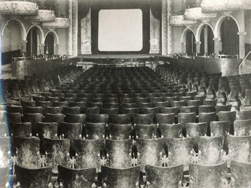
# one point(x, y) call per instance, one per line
point(190, 42)
point(12, 36)
point(229, 37)
point(49, 44)
point(207, 40)
point(34, 38)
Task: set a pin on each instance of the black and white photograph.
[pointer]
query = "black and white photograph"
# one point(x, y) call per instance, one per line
point(125, 94)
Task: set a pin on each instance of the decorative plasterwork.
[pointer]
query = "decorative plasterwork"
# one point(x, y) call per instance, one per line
point(43, 16)
point(224, 5)
point(197, 14)
point(58, 23)
point(178, 20)
point(18, 8)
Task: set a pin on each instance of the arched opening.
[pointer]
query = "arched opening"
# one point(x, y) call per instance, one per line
point(49, 44)
point(190, 43)
point(12, 37)
point(33, 46)
point(229, 37)
point(207, 40)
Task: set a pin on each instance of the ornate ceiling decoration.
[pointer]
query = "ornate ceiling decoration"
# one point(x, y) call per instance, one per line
point(224, 5)
point(58, 23)
point(43, 16)
point(179, 20)
point(18, 8)
point(197, 14)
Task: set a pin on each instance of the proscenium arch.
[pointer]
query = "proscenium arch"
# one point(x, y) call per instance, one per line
point(218, 24)
point(22, 27)
point(198, 32)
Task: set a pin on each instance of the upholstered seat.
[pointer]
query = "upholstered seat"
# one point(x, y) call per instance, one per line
point(240, 148)
point(164, 177)
point(97, 118)
point(33, 177)
point(88, 152)
point(35, 109)
point(171, 130)
point(57, 151)
point(179, 150)
point(228, 116)
point(207, 176)
point(242, 127)
point(120, 131)
point(27, 149)
point(22, 129)
point(119, 153)
point(47, 130)
point(221, 128)
point(143, 118)
point(241, 173)
point(165, 118)
point(120, 177)
point(150, 151)
point(95, 130)
point(210, 150)
point(34, 119)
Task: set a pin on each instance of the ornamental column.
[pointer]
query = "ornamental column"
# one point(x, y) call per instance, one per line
point(86, 43)
point(70, 51)
point(73, 29)
point(169, 29)
point(164, 27)
point(197, 43)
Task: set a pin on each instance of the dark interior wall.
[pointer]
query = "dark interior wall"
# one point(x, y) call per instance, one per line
point(229, 37)
point(190, 43)
point(210, 41)
point(32, 41)
point(49, 44)
point(98, 5)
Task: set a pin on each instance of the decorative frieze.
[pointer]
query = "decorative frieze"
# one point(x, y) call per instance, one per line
point(43, 16)
point(18, 8)
point(58, 23)
point(179, 20)
point(197, 14)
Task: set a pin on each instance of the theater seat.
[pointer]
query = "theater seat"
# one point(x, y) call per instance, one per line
point(241, 173)
point(88, 152)
point(82, 177)
point(120, 177)
point(207, 176)
point(33, 177)
point(164, 177)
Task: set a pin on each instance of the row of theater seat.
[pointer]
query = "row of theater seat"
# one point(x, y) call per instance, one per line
point(161, 143)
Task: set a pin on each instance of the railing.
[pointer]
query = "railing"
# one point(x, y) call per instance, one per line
point(246, 61)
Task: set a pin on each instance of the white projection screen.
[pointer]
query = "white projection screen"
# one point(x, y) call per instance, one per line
point(120, 30)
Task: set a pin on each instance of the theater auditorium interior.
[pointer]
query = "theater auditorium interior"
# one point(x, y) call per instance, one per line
point(125, 94)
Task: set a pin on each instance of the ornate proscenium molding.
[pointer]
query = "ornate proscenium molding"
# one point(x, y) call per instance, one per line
point(224, 5)
point(178, 20)
point(18, 8)
point(43, 16)
point(197, 14)
point(58, 23)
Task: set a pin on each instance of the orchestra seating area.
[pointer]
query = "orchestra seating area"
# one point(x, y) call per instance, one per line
point(126, 127)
